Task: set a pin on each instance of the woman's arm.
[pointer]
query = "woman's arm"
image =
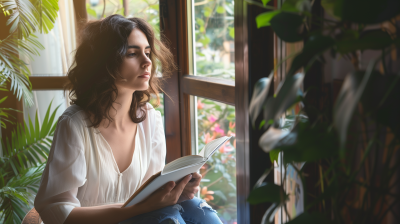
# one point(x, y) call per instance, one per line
point(108, 214)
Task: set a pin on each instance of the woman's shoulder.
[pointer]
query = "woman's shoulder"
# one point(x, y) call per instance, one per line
point(74, 114)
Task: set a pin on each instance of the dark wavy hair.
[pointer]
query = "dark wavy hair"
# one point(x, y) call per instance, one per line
point(103, 45)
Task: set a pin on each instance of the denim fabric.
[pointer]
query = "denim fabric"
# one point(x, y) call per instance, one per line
point(195, 211)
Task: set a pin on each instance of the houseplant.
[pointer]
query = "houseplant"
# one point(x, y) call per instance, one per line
point(22, 155)
point(353, 142)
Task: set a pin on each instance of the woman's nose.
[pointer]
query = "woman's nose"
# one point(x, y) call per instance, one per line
point(146, 61)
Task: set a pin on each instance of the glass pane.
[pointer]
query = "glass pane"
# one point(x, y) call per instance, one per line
point(145, 9)
point(218, 186)
point(214, 38)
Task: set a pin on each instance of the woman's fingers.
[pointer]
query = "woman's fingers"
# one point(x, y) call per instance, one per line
point(181, 185)
point(197, 178)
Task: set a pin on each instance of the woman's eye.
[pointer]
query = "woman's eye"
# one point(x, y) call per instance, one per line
point(132, 54)
point(148, 54)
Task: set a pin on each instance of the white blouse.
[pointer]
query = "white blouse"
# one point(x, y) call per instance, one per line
point(81, 170)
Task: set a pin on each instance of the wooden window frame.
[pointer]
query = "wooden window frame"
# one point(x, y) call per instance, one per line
point(181, 85)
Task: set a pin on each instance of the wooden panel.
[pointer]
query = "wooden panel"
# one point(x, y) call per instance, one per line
point(211, 88)
point(171, 86)
point(183, 63)
point(48, 82)
point(242, 114)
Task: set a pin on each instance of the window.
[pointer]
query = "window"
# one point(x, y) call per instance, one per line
point(204, 36)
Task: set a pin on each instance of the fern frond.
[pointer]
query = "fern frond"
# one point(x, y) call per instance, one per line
point(15, 195)
point(22, 17)
point(28, 145)
point(13, 68)
point(46, 14)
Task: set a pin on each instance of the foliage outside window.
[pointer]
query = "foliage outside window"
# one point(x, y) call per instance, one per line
point(218, 186)
point(214, 38)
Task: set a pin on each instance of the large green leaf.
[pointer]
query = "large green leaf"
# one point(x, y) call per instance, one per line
point(271, 137)
point(288, 94)
point(371, 39)
point(307, 143)
point(288, 26)
point(264, 19)
point(267, 193)
point(260, 94)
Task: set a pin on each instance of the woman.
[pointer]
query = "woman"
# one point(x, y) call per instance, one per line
point(111, 140)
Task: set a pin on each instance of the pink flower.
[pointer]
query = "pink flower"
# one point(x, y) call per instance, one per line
point(200, 105)
point(217, 129)
point(211, 118)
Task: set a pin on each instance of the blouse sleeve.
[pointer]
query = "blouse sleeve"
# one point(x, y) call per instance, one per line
point(158, 147)
point(65, 171)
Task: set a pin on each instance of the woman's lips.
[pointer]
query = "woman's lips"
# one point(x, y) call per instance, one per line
point(146, 76)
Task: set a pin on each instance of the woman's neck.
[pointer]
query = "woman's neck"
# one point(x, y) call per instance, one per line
point(120, 112)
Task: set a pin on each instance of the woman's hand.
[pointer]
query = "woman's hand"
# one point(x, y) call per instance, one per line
point(191, 188)
point(165, 196)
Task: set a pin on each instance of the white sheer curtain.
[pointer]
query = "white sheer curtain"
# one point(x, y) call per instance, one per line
point(54, 60)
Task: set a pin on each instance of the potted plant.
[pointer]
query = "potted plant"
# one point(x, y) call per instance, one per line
point(22, 155)
point(353, 144)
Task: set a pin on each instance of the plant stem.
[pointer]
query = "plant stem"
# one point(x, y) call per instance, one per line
point(220, 178)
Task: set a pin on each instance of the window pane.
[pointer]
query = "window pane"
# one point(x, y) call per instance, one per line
point(145, 9)
point(218, 186)
point(214, 38)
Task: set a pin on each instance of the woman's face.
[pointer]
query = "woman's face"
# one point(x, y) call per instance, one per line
point(135, 69)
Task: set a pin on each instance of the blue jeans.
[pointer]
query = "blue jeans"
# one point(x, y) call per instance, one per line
point(195, 211)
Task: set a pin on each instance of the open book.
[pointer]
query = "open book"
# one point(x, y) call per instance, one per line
point(176, 170)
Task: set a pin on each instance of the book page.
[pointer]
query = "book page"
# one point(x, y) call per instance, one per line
point(210, 148)
point(181, 162)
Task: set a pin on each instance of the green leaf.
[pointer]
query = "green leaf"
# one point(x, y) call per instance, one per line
point(273, 155)
point(287, 95)
point(271, 137)
point(91, 11)
point(310, 218)
point(269, 215)
point(220, 9)
point(265, 2)
point(260, 94)
point(267, 193)
point(232, 32)
point(207, 11)
point(371, 39)
point(288, 26)
point(307, 143)
point(333, 8)
point(264, 19)
point(200, 21)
